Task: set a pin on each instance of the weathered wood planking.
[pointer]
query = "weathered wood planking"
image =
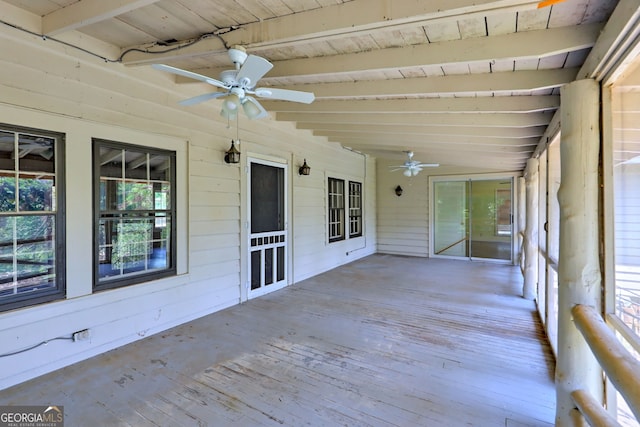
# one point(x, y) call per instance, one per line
point(384, 341)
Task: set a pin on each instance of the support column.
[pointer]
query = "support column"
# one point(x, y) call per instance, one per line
point(531, 231)
point(579, 279)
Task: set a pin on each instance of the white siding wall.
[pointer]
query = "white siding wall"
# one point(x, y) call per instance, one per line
point(403, 222)
point(46, 86)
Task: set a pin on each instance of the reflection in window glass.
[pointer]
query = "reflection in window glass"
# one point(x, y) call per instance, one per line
point(29, 265)
point(134, 228)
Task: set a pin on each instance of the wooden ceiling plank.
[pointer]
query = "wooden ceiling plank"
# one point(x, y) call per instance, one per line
point(87, 12)
point(533, 44)
point(350, 19)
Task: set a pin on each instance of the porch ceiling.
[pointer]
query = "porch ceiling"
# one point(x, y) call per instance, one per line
point(460, 83)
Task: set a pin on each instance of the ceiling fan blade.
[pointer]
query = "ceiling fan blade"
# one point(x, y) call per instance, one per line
point(428, 165)
point(252, 70)
point(201, 98)
point(397, 169)
point(253, 109)
point(398, 166)
point(189, 74)
point(285, 95)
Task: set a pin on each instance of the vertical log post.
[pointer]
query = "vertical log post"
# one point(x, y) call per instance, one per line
point(579, 279)
point(522, 220)
point(531, 231)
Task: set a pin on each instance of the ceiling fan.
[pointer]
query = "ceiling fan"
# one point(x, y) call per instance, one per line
point(239, 84)
point(412, 167)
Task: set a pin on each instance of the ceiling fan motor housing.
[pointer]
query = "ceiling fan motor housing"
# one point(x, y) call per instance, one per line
point(238, 55)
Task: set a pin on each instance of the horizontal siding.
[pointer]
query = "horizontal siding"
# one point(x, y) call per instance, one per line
point(44, 85)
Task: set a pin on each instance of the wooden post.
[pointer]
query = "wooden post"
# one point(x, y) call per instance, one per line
point(522, 220)
point(579, 279)
point(531, 231)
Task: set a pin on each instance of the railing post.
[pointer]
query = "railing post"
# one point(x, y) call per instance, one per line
point(531, 230)
point(579, 279)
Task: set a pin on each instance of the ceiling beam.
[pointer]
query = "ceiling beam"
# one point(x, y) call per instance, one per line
point(438, 153)
point(506, 120)
point(505, 82)
point(499, 104)
point(454, 143)
point(350, 18)
point(87, 12)
point(492, 132)
point(613, 41)
point(445, 159)
point(515, 46)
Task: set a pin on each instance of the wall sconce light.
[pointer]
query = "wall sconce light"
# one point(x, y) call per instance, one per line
point(232, 155)
point(398, 191)
point(304, 169)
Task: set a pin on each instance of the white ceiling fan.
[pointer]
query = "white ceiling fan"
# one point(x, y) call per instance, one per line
point(412, 167)
point(239, 85)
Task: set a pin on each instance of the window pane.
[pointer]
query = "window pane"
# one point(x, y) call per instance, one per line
point(29, 266)
point(138, 196)
point(7, 193)
point(134, 218)
point(136, 165)
point(111, 162)
point(36, 193)
point(355, 209)
point(36, 153)
point(133, 245)
point(27, 254)
point(336, 209)
point(7, 149)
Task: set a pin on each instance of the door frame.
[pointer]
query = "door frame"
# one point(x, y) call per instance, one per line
point(476, 177)
point(245, 260)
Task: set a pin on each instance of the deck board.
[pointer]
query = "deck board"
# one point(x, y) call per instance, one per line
point(383, 341)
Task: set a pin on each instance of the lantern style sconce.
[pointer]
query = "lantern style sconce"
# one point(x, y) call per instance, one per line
point(232, 155)
point(398, 191)
point(304, 169)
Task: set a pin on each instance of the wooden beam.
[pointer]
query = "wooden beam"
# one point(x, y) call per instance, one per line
point(426, 138)
point(87, 12)
point(460, 146)
point(493, 132)
point(513, 104)
point(505, 82)
point(350, 18)
point(506, 120)
point(514, 46)
point(603, 55)
point(530, 246)
point(446, 159)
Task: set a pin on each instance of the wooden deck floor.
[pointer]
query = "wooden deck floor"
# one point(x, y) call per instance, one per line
point(384, 341)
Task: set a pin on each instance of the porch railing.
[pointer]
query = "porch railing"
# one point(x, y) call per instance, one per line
point(622, 369)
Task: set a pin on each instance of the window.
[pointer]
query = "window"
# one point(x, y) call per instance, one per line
point(134, 214)
point(336, 210)
point(355, 209)
point(31, 217)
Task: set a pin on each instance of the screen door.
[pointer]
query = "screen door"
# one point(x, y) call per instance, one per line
point(267, 227)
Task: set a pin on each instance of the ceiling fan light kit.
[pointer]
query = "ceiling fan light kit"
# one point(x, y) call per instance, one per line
point(239, 86)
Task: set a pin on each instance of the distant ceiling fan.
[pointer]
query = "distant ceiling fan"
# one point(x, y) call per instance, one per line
point(412, 167)
point(239, 84)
